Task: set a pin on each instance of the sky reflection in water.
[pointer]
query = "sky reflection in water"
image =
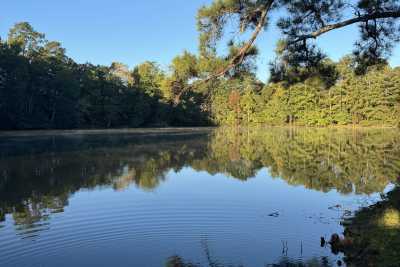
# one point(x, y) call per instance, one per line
point(223, 197)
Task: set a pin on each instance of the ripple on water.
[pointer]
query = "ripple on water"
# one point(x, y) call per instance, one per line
point(131, 223)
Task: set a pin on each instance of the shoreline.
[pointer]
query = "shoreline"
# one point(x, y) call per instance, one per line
point(173, 130)
point(71, 132)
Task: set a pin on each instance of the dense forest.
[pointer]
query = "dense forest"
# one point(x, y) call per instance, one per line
point(43, 88)
point(370, 99)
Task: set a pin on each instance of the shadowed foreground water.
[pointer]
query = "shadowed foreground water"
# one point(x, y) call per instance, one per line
point(195, 197)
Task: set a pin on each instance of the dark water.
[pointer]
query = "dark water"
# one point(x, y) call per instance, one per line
point(196, 197)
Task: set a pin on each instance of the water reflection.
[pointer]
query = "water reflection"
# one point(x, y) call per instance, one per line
point(44, 172)
point(364, 161)
point(39, 174)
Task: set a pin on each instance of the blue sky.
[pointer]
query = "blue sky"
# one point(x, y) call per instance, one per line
point(132, 31)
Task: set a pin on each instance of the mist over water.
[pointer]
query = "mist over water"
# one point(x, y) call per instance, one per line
point(193, 197)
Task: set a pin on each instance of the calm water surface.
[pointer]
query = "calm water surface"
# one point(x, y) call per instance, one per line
point(195, 197)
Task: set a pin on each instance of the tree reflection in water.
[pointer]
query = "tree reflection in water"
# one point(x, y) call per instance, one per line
point(39, 174)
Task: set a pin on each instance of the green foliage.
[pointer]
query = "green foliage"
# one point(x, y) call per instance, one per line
point(183, 71)
point(300, 23)
point(184, 67)
point(368, 100)
point(24, 38)
point(236, 101)
point(149, 77)
point(41, 88)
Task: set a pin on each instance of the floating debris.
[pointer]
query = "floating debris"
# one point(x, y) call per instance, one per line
point(274, 214)
point(323, 242)
point(347, 213)
point(338, 206)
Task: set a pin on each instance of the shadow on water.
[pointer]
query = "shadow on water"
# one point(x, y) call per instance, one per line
point(38, 174)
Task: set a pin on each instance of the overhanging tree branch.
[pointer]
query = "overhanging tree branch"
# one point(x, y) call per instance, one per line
point(328, 28)
point(264, 11)
point(239, 57)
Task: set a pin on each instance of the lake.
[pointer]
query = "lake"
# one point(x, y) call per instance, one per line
point(199, 197)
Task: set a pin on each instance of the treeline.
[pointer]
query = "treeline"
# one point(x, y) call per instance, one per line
point(42, 88)
point(342, 98)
